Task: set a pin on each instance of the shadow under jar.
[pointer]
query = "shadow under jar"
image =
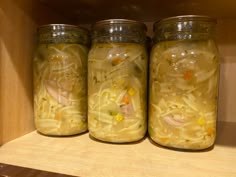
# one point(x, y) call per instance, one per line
point(60, 82)
point(184, 75)
point(117, 78)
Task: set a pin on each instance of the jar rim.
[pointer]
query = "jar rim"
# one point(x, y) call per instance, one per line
point(119, 21)
point(181, 18)
point(61, 26)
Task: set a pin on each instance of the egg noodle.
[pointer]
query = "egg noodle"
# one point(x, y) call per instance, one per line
point(60, 89)
point(117, 91)
point(183, 95)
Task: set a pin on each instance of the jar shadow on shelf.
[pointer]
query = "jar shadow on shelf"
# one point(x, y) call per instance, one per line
point(179, 149)
point(116, 143)
point(62, 136)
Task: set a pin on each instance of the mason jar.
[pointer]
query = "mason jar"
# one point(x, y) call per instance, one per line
point(117, 78)
point(60, 83)
point(184, 77)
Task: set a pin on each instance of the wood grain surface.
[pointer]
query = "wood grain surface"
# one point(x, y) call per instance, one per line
point(15, 67)
point(90, 11)
point(84, 157)
point(16, 171)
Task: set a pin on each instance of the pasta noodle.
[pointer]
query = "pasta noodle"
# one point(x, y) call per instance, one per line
point(117, 91)
point(60, 89)
point(183, 97)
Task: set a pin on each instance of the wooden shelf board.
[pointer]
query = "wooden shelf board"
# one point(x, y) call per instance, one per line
point(87, 11)
point(82, 156)
point(15, 171)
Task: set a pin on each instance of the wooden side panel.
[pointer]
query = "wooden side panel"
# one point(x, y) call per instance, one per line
point(16, 51)
point(1, 46)
point(18, 21)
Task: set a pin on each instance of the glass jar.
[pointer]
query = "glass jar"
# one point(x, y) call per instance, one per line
point(117, 77)
point(60, 84)
point(184, 74)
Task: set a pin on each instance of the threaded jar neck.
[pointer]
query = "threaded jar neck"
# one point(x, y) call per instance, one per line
point(187, 27)
point(62, 33)
point(119, 30)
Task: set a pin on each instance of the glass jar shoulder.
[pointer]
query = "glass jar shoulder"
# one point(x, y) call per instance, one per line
point(106, 51)
point(62, 53)
point(60, 48)
point(184, 54)
point(180, 46)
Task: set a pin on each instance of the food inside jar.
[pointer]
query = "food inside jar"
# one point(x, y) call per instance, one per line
point(183, 94)
point(60, 89)
point(117, 92)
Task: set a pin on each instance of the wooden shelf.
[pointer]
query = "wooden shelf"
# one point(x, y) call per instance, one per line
point(82, 156)
point(15, 171)
point(87, 11)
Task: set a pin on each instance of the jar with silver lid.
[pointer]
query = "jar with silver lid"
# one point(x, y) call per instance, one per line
point(117, 77)
point(184, 77)
point(60, 82)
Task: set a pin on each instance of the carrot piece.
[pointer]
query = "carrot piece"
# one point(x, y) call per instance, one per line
point(188, 75)
point(126, 99)
point(210, 131)
point(116, 61)
point(58, 116)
